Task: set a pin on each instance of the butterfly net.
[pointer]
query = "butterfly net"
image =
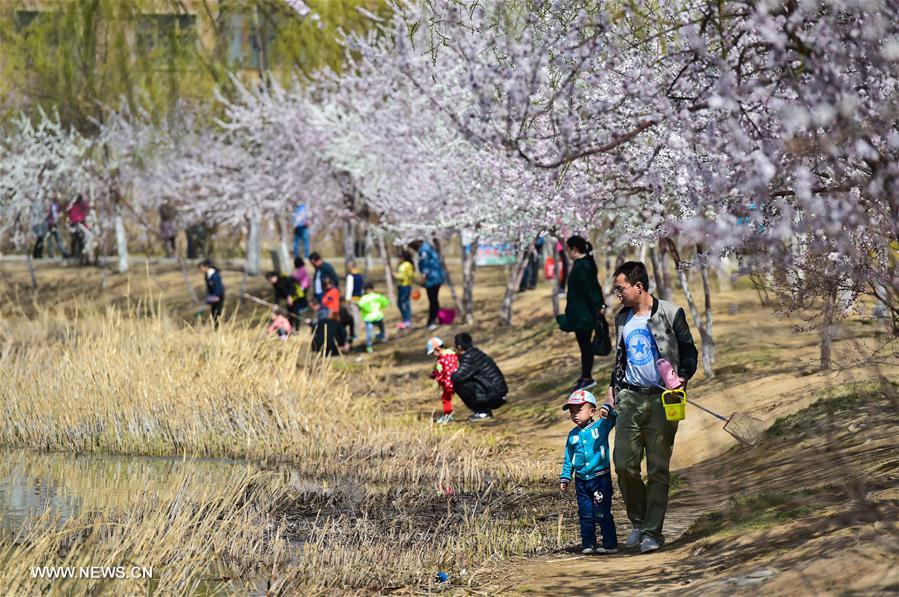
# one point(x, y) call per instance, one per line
point(745, 429)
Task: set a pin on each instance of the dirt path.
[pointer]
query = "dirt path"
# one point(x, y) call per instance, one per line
point(786, 541)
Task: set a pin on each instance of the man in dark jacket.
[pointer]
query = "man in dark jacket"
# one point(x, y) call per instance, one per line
point(287, 289)
point(647, 329)
point(323, 270)
point(215, 290)
point(478, 381)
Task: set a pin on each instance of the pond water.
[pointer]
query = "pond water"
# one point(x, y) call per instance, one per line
point(33, 483)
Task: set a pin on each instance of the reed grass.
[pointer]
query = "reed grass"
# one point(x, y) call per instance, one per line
point(192, 538)
point(131, 383)
point(400, 498)
point(254, 532)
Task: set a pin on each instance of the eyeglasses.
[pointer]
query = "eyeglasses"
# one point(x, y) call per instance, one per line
point(620, 289)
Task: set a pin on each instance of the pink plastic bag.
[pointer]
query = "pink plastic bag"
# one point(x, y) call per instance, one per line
point(446, 316)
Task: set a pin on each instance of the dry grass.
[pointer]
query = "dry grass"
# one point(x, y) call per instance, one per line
point(260, 531)
point(190, 537)
point(124, 384)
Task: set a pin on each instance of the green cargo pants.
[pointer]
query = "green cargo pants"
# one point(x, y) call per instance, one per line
point(641, 428)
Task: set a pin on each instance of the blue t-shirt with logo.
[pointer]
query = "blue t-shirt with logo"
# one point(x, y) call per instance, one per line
point(642, 353)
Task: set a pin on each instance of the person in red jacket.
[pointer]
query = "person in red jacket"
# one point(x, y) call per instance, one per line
point(447, 363)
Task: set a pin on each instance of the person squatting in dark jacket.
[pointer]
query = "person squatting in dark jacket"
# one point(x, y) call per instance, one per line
point(478, 381)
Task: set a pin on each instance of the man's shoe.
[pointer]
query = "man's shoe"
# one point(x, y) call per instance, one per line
point(584, 384)
point(369, 349)
point(649, 544)
point(633, 538)
point(587, 551)
point(433, 327)
point(477, 417)
point(604, 550)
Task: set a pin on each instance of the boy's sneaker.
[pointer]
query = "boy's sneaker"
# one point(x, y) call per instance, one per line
point(584, 384)
point(633, 538)
point(587, 551)
point(477, 417)
point(443, 420)
point(649, 544)
point(369, 349)
point(604, 550)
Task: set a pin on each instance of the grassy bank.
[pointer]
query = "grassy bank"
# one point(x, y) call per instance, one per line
point(123, 384)
point(260, 532)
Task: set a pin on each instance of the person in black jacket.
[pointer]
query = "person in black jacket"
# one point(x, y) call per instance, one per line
point(287, 289)
point(585, 303)
point(215, 289)
point(478, 381)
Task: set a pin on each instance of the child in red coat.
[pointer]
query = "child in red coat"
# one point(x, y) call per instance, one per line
point(447, 363)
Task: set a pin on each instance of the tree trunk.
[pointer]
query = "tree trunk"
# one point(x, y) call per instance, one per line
point(708, 345)
point(512, 285)
point(665, 288)
point(253, 266)
point(388, 269)
point(468, 271)
point(121, 241)
point(554, 298)
point(283, 244)
point(349, 242)
point(446, 276)
point(369, 249)
point(707, 348)
point(707, 295)
point(828, 329)
point(656, 271)
point(725, 269)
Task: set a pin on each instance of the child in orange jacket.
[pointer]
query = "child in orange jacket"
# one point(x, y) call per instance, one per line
point(447, 363)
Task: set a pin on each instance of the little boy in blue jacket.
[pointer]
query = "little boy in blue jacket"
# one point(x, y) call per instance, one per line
point(587, 460)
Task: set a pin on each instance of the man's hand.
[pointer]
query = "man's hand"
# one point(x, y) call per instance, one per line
point(563, 486)
point(610, 396)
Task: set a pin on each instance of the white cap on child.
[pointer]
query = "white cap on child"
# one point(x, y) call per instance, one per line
point(433, 344)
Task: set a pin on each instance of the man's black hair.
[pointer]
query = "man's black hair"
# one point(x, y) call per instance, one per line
point(368, 286)
point(463, 340)
point(205, 263)
point(271, 275)
point(634, 271)
point(315, 257)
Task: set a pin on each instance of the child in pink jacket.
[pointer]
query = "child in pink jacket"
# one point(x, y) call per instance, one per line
point(279, 324)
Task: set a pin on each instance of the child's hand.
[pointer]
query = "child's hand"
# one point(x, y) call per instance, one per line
point(604, 411)
point(563, 486)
